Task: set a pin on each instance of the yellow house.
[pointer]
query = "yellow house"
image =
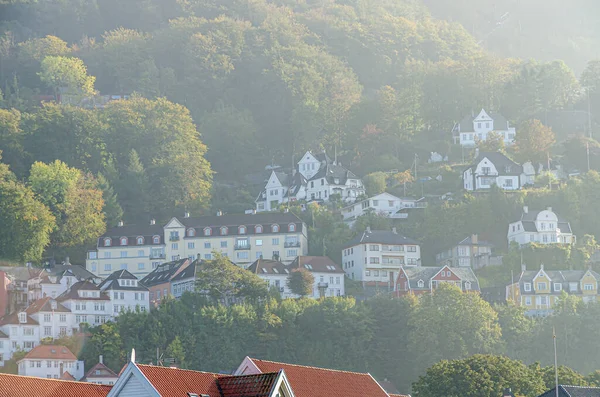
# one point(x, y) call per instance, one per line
point(539, 290)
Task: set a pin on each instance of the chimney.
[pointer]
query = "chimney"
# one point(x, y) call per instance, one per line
point(549, 208)
point(507, 393)
point(525, 209)
point(120, 224)
point(219, 213)
point(62, 370)
point(368, 230)
point(474, 239)
point(542, 266)
point(186, 215)
point(523, 267)
point(101, 359)
point(67, 260)
point(394, 230)
point(153, 221)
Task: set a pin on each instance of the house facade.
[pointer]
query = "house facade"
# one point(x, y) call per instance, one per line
point(469, 252)
point(88, 303)
point(376, 256)
point(493, 168)
point(474, 128)
point(425, 279)
point(100, 374)
point(54, 319)
point(126, 293)
point(159, 280)
point(538, 291)
point(51, 362)
point(315, 177)
point(328, 276)
point(384, 204)
point(242, 238)
point(540, 227)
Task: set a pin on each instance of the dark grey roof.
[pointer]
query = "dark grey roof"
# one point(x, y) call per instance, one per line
point(332, 171)
point(80, 272)
point(563, 277)
point(249, 220)
point(268, 266)
point(321, 264)
point(528, 219)
point(573, 391)
point(112, 282)
point(163, 273)
point(147, 231)
point(380, 237)
point(503, 164)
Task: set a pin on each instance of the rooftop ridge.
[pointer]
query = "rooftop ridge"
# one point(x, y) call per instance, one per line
point(179, 369)
point(56, 380)
point(312, 367)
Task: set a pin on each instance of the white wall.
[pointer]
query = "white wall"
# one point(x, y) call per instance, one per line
point(50, 368)
point(378, 260)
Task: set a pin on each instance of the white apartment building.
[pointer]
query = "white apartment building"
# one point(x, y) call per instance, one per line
point(126, 293)
point(329, 276)
point(541, 227)
point(54, 319)
point(53, 281)
point(476, 128)
point(23, 332)
point(375, 256)
point(315, 177)
point(87, 303)
point(242, 238)
point(52, 362)
point(384, 204)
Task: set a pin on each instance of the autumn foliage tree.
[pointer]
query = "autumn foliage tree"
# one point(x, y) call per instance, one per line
point(300, 282)
point(533, 141)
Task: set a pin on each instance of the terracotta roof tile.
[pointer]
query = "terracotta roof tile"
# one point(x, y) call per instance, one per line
point(317, 382)
point(27, 386)
point(174, 382)
point(45, 305)
point(259, 385)
point(13, 319)
point(51, 352)
point(67, 376)
point(104, 372)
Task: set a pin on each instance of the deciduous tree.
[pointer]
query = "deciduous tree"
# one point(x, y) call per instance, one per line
point(300, 282)
point(533, 141)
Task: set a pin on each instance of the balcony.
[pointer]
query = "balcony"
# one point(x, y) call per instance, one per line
point(241, 246)
point(289, 244)
point(158, 256)
point(391, 261)
point(174, 238)
point(323, 285)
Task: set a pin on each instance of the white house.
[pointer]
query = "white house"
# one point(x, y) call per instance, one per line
point(5, 352)
point(100, 374)
point(315, 177)
point(476, 128)
point(541, 227)
point(329, 276)
point(23, 332)
point(469, 252)
point(375, 256)
point(54, 319)
point(87, 303)
point(126, 293)
point(52, 362)
point(493, 168)
point(384, 204)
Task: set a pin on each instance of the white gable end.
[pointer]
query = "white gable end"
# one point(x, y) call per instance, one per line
point(133, 383)
point(174, 223)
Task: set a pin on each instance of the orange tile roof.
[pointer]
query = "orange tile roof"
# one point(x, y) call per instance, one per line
point(67, 376)
point(44, 352)
point(175, 382)
point(27, 386)
point(317, 382)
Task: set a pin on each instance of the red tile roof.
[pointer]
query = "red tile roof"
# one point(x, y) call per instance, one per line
point(47, 352)
point(67, 376)
point(317, 382)
point(45, 305)
point(174, 382)
point(27, 386)
point(104, 372)
point(258, 385)
point(13, 319)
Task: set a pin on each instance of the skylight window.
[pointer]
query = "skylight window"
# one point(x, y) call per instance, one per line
point(264, 270)
point(309, 267)
point(287, 271)
point(275, 270)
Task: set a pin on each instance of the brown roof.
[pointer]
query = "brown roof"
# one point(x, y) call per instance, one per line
point(72, 293)
point(13, 319)
point(44, 305)
point(67, 376)
point(322, 264)
point(105, 372)
point(268, 266)
point(27, 386)
point(174, 382)
point(317, 382)
point(51, 352)
point(258, 385)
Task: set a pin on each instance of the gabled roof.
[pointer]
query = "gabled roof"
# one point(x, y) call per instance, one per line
point(529, 218)
point(320, 382)
point(13, 319)
point(500, 122)
point(50, 352)
point(112, 282)
point(72, 293)
point(332, 171)
point(269, 266)
point(163, 273)
point(174, 382)
point(27, 386)
point(45, 305)
point(558, 276)
point(321, 264)
point(573, 391)
point(103, 372)
point(503, 164)
point(380, 237)
point(67, 376)
point(62, 270)
point(426, 273)
point(259, 385)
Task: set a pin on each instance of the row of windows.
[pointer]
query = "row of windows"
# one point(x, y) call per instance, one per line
point(541, 286)
point(48, 331)
point(62, 318)
point(191, 232)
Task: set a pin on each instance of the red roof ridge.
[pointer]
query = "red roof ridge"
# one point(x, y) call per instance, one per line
point(312, 367)
point(57, 380)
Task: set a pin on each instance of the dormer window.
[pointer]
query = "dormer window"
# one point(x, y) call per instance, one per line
point(207, 231)
point(420, 284)
point(123, 240)
point(107, 242)
point(191, 232)
point(292, 227)
point(224, 231)
point(242, 230)
point(468, 285)
point(275, 228)
point(258, 229)
point(156, 239)
point(22, 317)
point(140, 240)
